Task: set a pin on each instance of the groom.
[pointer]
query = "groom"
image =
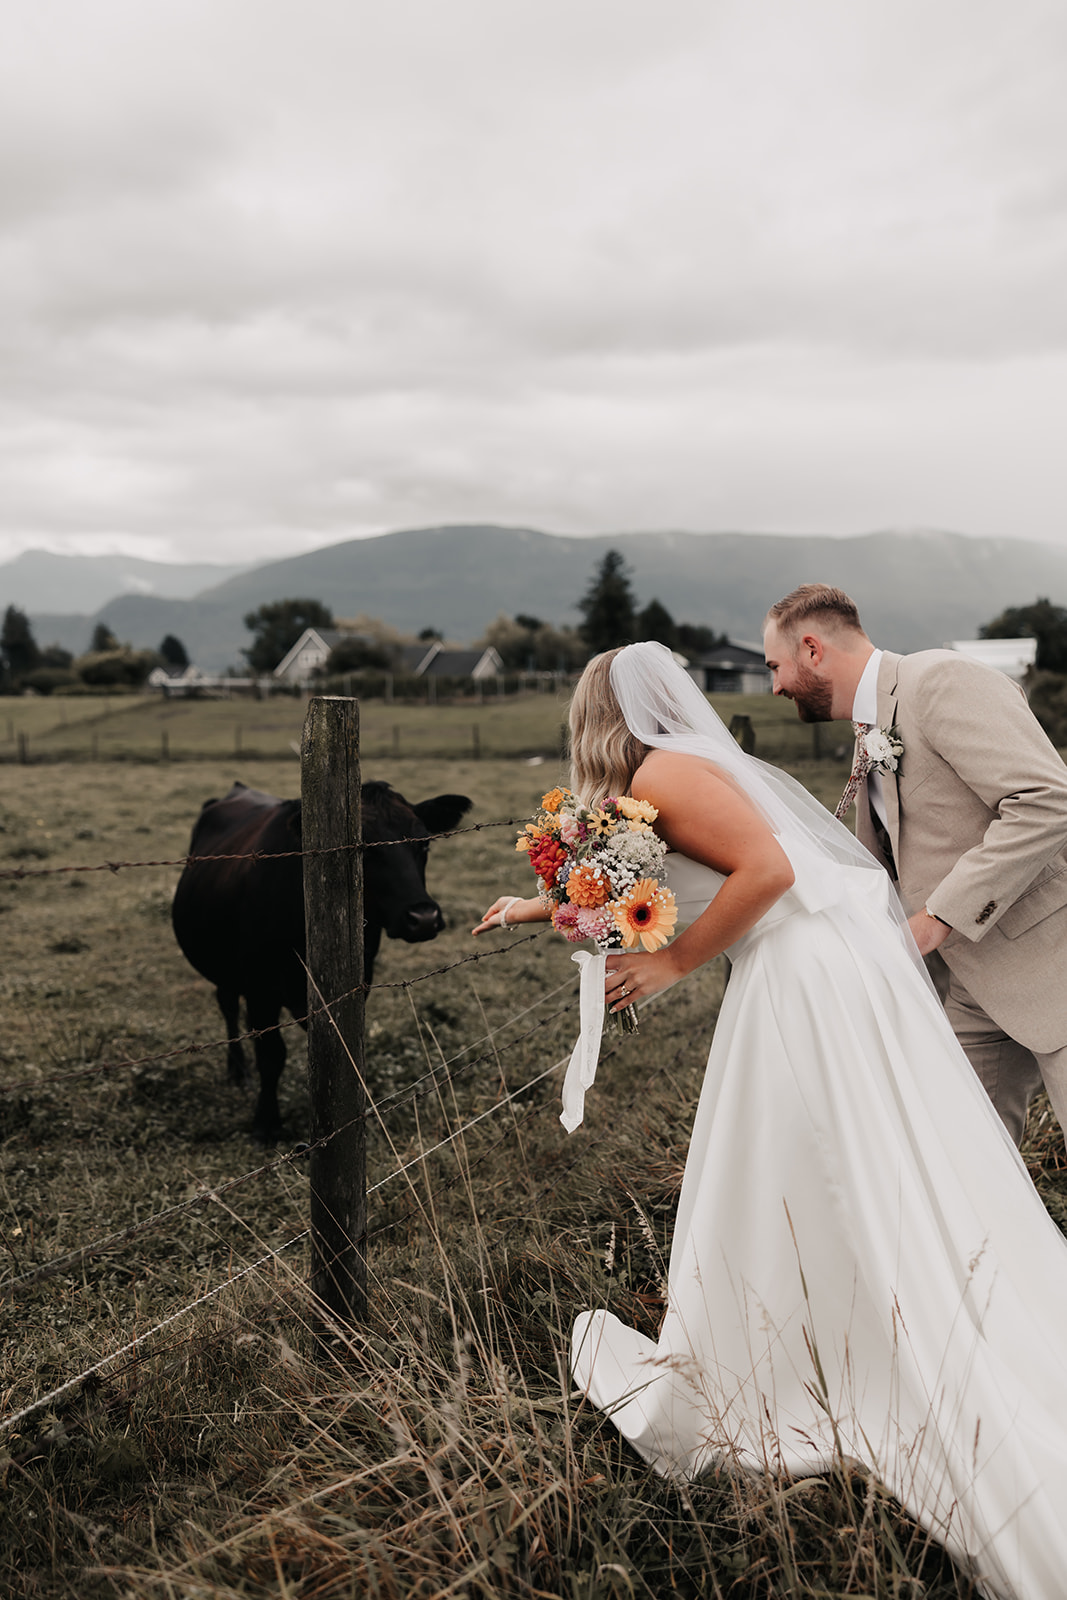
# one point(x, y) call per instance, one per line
point(969, 816)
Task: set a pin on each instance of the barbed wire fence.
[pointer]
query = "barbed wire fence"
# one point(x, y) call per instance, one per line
point(217, 1193)
point(432, 1082)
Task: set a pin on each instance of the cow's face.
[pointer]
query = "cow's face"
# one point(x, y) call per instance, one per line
point(394, 873)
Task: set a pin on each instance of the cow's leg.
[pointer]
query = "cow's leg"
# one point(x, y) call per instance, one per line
point(230, 1005)
point(265, 1012)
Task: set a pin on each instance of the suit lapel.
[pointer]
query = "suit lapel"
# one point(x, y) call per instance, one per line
point(887, 716)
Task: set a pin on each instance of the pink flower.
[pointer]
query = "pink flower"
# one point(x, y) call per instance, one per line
point(565, 921)
point(569, 831)
point(594, 922)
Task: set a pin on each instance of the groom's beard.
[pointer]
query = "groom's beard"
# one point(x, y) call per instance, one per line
point(812, 695)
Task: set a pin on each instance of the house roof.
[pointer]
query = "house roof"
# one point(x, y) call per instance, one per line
point(732, 655)
point(322, 638)
point(459, 663)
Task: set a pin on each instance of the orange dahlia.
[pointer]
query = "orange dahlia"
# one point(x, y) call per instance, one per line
point(646, 913)
point(554, 799)
point(587, 886)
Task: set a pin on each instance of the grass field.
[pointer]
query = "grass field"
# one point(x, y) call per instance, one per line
point(439, 1451)
point(147, 728)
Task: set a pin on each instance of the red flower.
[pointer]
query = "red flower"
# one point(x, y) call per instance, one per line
point(547, 856)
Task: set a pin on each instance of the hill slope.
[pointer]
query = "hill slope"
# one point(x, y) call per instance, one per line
point(913, 589)
point(41, 581)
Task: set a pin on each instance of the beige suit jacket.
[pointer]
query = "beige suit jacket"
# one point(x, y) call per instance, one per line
point(977, 818)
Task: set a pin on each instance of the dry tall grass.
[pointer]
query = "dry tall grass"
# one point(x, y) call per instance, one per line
point(440, 1451)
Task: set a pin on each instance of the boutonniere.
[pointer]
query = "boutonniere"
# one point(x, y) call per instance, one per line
point(885, 747)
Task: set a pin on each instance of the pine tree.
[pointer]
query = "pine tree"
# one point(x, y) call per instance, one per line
point(656, 622)
point(17, 645)
point(174, 652)
point(103, 639)
point(608, 606)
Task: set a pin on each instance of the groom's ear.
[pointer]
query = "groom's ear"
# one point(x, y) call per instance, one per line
point(811, 648)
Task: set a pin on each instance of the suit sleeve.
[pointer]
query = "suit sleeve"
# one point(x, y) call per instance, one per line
point(979, 724)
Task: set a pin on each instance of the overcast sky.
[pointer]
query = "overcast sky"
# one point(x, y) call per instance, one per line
point(275, 275)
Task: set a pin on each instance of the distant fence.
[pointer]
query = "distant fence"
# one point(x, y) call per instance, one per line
point(450, 729)
point(398, 743)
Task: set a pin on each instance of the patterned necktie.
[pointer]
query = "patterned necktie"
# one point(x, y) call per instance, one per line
point(861, 765)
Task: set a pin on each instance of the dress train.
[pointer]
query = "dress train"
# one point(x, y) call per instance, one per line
point(861, 1265)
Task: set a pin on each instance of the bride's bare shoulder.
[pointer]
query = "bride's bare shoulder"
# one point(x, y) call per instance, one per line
point(665, 772)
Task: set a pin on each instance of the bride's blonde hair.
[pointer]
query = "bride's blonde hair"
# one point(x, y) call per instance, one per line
point(604, 753)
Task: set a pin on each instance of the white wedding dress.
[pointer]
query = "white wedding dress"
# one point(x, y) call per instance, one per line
point(861, 1266)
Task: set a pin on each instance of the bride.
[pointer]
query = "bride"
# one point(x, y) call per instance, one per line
point(861, 1266)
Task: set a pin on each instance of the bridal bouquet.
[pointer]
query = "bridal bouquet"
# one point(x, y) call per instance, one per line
point(599, 869)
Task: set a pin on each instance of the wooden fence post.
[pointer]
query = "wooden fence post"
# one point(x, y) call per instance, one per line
point(24, 750)
point(333, 908)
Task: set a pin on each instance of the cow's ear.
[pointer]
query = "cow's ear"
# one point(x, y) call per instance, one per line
point(443, 812)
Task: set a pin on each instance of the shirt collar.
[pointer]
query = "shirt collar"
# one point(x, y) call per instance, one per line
point(865, 705)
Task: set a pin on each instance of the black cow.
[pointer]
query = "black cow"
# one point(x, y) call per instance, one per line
point(241, 923)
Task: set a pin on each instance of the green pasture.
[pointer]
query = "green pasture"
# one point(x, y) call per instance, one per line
point(148, 728)
point(440, 1450)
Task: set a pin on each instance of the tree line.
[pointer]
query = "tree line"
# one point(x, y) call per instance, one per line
point(611, 615)
point(107, 664)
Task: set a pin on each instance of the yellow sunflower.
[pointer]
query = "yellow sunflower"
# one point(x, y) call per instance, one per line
point(646, 913)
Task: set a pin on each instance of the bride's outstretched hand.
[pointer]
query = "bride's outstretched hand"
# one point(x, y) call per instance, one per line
point(629, 978)
point(508, 910)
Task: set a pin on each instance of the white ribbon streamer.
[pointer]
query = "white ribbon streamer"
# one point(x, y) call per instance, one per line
point(581, 1070)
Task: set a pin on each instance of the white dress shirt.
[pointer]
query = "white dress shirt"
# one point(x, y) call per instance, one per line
point(865, 709)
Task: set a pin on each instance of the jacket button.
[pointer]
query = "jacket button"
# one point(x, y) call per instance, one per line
point(986, 912)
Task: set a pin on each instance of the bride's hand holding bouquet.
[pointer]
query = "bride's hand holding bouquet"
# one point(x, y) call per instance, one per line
point(598, 875)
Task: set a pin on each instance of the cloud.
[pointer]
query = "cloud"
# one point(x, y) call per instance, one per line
point(272, 277)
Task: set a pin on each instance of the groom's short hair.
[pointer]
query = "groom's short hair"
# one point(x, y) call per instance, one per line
point(815, 600)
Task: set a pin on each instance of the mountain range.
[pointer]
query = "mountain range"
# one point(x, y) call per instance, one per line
point(914, 589)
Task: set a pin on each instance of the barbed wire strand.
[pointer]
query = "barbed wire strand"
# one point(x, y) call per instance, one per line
point(259, 1033)
point(213, 1193)
point(7, 1423)
point(257, 855)
point(595, 1139)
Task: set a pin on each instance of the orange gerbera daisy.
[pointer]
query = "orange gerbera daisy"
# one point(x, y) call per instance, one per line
point(646, 913)
point(587, 886)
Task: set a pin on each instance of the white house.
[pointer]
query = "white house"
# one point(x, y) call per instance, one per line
point(311, 652)
point(429, 658)
point(1013, 656)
